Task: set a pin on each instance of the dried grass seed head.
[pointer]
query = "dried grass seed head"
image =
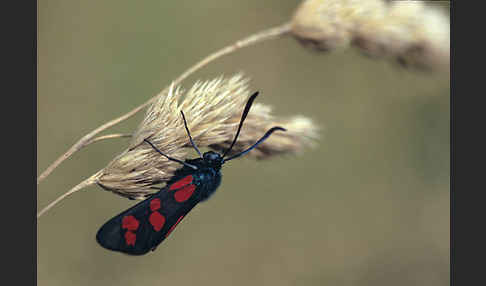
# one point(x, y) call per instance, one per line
point(213, 110)
point(328, 24)
point(414, 34)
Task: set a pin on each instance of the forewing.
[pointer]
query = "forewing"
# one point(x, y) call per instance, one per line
point(144, 226)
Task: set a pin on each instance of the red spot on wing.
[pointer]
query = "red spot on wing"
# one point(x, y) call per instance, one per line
point(154, 204)
point(181, 183)
point(185, 193)
point(157, 220)
point(174, 226)
point(130, 222)
point(130, 238)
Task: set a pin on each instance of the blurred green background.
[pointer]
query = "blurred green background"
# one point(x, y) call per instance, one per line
point(368, 206)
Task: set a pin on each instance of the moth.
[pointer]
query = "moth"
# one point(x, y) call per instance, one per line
point(144, 226)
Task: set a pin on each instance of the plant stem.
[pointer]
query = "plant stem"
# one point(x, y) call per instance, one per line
point(109, 136)
point(261, 36)
point(88, 182)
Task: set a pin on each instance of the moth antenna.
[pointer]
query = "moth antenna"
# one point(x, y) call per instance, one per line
point(243, 117)
point(170, 158)
point(267, 134)
point(190, 137)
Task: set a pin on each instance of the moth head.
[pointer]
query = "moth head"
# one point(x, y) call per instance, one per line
point(213, 158)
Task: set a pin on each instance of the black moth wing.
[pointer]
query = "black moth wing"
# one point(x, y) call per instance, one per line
point(141, 223)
